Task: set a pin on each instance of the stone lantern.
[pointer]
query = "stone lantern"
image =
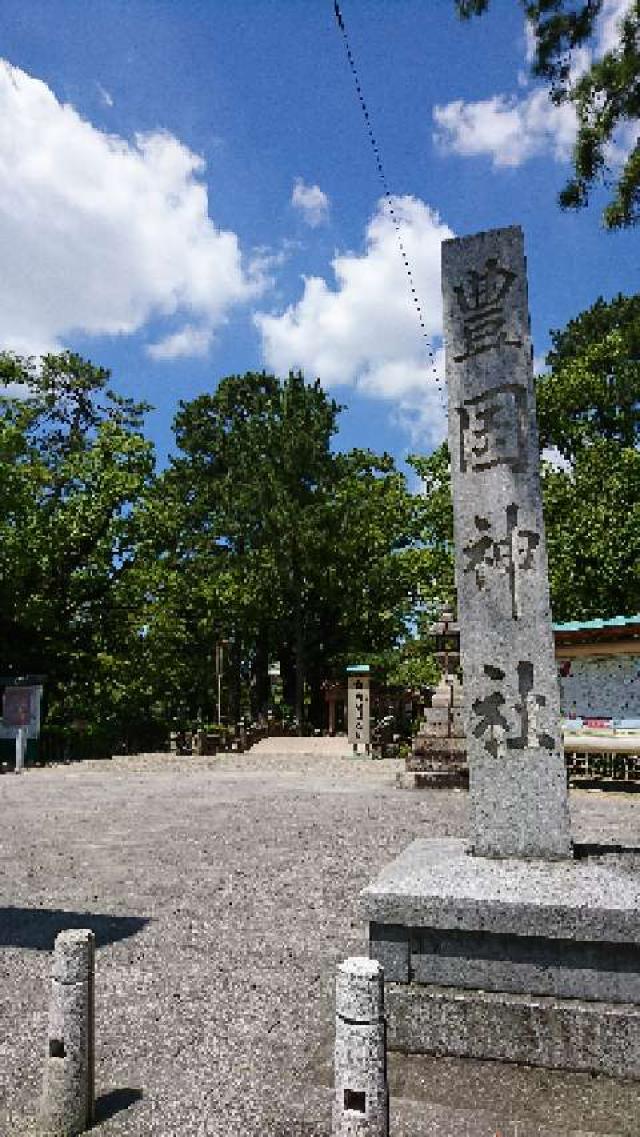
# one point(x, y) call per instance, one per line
point(446, 636)
point(438, 757)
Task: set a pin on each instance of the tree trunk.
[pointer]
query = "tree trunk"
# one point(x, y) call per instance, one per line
point(233, 681)
point(300, 666)
point(317, 707)
point(260, 675)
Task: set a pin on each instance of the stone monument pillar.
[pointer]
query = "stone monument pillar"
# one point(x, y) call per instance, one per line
point(508, 948)
point(518, 786)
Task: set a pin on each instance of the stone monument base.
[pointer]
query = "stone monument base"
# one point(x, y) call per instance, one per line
point(526, 961)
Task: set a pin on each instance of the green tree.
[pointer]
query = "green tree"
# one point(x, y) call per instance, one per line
point(592, 391)
point(436, 527)
point(376, 569)
point(74, 463)
point(255, 467)
point(589, 411)
point(592, 518)
point(606, 95)
point(295, 551)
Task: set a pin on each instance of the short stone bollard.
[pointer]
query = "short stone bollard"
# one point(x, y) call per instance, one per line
point(361, 1106)
point(68, 1099)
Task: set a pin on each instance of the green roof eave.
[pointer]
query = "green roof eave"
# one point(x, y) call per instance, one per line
point(589, 625)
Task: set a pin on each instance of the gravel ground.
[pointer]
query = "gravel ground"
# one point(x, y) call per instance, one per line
point(223, 893)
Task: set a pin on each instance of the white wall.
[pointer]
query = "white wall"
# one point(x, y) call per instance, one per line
point(599, 686)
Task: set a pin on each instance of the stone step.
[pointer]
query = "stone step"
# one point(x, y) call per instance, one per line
point(322, 747)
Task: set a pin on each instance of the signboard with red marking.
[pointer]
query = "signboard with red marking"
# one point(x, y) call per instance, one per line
point(16, 706)
point(21, 709)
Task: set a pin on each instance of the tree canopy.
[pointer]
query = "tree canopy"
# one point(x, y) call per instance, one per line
point(592, 391)
point(119, 582)
point(589, 413)
point(588, 419)
point(605, 92)
point(303, 546)
point(74, 463)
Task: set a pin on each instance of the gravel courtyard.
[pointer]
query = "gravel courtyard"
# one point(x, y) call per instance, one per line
point(223, 894)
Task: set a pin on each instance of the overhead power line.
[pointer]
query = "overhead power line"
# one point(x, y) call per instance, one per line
point(387, 194)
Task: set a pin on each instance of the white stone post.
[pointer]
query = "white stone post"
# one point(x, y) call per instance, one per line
point(358, 716)
point(68, 1100)
point(21, 748)
point(361, 1106)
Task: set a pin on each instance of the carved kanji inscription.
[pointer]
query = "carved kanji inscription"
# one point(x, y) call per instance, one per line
point(481, 299)
point(493, 429)
point(504, 727)
point(508, 555)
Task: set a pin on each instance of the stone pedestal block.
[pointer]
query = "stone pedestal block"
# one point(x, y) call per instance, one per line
point(527, 961)
point(535, 1030)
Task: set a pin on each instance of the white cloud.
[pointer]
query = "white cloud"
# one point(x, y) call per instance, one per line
point(311, 202)
point(530, 42)
point(555, 459)
point(511, 129)
point(105, 97)
point(189, 341)
point(100, 234)
point(364, 330)
point(420, 405)
point(15, 390)
point(625, 137)
point(608, 25)
point(507, 129)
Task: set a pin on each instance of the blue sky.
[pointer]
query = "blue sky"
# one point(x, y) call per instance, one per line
point(187, 190)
